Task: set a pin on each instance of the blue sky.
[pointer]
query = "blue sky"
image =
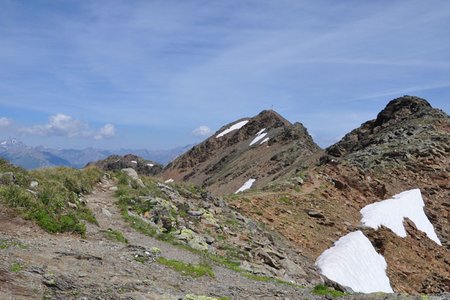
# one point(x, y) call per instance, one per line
point(146, 74)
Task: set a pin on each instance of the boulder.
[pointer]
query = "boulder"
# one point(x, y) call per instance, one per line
point(7, 178)
point(133, 175)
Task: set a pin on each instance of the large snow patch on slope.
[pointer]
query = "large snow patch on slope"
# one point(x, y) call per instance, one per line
point(259, 136)
point(391, 213)
point(233, 127)
point(353, 262)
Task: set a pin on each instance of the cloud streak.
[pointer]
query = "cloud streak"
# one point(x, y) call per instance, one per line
point(4, 122)
point(202, 131)
point(62, 125)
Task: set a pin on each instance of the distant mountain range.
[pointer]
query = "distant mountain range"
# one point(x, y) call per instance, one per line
point(29, 157)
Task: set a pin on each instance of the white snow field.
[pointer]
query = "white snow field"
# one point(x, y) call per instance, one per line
point(259, 136)
point(392, 212)
point(233, 127)
point(248, 184)
point(354, 263)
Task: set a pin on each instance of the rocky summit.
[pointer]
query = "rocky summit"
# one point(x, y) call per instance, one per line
point(261, 149)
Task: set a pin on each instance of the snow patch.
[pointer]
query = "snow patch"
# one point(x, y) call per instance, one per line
point(392, 212)
point(234, 127)
point(264, 140)
point(261, 131)
point(150, 165)
point(259, 136)
point(169, 180)
point(248, 184)
point(133, 161)
point(353, 262)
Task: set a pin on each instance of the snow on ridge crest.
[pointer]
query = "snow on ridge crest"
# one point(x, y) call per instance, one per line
point(233, 127)
point(353, 262)
point(248, 184)
point(392, 212)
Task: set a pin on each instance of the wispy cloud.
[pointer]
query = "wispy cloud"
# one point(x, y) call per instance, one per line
point(65, 126)
point(4, 122)
point(202, 131)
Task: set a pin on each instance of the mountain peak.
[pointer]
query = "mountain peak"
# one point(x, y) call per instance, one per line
point(11, 142)
point(271, 117)
point(401, 108)
point(258, 150)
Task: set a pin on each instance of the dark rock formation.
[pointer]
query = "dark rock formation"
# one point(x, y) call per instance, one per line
point(117, 162)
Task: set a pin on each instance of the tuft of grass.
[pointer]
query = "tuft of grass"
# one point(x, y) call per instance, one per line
point(195, 297)
point(15, 267)
point(323, 290)
point(139, 224)
point(48, 204)
point(115, 235)
point(199, 270)
point(141, 259)
point(285, 200)
point(5, 244)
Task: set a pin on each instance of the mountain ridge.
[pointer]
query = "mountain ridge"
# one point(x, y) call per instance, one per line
point(30, 157)
point(258, 148)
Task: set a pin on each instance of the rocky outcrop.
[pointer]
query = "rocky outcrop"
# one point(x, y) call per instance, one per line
point(264, 148)
point(117, 163)
point(398, 128)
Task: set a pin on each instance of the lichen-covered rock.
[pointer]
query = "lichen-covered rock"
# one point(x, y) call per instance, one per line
point(133, 175)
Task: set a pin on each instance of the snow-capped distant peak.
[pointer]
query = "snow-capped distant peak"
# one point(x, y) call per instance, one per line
point(353, 262)
point(259, 136)
point(392, 212)
point(12, 142)
point(248, 184)
point(233, 127)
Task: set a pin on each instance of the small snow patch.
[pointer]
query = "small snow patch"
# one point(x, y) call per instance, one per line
point(353, 262)
point(169, 180)
point(259, 136)
point(233, 127)
point(133, 162)
point(248, 184)
point(264, 140)
point(392, 212)
point(150, 165)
